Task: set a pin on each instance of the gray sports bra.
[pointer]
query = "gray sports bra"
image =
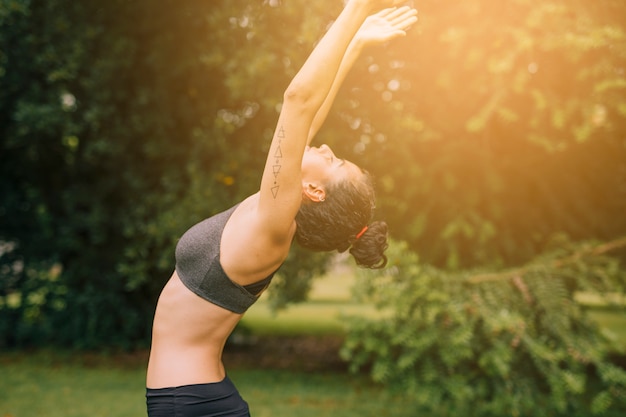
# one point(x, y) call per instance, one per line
point(198, 266)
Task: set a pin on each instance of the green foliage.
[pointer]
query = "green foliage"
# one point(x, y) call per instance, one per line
point(491, 127)
point(512, 343)
point(115, 140)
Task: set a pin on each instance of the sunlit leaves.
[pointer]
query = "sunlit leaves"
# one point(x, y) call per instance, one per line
point(500, 92)
point(492, 126)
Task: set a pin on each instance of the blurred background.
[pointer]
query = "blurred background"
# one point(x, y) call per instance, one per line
point(496, 132)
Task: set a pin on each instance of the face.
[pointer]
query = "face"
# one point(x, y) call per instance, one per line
point(320, 166)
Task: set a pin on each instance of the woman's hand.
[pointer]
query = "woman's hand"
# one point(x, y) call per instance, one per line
point(376, 5)
point(386, 25)
point(383, 26)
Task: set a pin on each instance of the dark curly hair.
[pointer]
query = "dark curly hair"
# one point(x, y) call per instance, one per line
point(333, 224)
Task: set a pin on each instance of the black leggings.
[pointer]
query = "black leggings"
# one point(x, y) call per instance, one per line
point(198, 400)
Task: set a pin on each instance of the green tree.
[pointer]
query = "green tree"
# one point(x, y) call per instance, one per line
point(115, 139)
point(491, 127)
point(494, 126)
point(510, 343)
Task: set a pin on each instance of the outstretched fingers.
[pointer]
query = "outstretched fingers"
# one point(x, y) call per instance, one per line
point(387, 24)
point(402, 17)
point(396, 18)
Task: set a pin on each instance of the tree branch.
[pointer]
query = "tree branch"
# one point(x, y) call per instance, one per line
point(590, 251)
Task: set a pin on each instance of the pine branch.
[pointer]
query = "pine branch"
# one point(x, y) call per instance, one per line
point(558, 263)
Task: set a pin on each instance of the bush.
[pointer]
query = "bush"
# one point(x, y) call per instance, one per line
point(513, 343)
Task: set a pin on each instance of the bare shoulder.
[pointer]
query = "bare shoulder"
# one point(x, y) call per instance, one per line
point(249, 252)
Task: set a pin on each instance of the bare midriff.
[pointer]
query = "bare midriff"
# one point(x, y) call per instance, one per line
point(188, 338)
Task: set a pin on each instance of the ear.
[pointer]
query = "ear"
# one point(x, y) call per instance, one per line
point(313, 192)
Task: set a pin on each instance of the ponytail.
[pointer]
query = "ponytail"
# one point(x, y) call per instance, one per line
point(369, 246)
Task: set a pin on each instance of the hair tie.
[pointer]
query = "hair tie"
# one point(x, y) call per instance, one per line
point(358, 236)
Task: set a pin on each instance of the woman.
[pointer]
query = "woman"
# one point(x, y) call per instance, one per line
point(225, 262)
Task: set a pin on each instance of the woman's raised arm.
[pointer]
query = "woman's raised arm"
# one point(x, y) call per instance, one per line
point(378, 28)
point(281, 183)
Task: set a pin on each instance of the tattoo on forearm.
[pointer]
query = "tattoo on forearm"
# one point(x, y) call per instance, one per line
point(278, 156)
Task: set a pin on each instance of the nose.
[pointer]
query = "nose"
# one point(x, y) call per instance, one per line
point(325, 149)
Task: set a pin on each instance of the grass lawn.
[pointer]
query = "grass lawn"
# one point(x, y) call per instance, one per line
point(273, 394)
point(57, 385)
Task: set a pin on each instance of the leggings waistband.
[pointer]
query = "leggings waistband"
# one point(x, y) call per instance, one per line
point(198, 400)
